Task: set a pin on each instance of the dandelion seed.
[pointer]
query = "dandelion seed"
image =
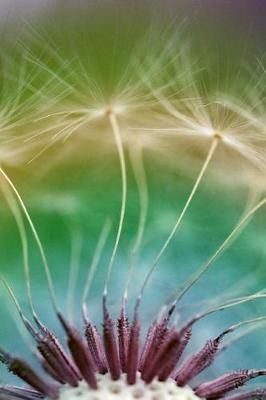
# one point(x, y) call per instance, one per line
point(189, 114)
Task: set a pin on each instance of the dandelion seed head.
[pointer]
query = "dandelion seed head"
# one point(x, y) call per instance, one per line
point(160, 96)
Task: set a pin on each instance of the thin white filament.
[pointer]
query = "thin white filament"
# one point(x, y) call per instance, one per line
point(247, 322)
point(218, 252)
point(13, 297)
point(24, 320)
point(20, 328)
point(242, 334)
point(24, 242)
point(118, 140)
point(136, 158)
point(37, 239)
point(221, 307)
point(96, 259)
point(211, 151)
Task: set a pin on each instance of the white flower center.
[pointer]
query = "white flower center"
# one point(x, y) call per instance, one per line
point(120, 390)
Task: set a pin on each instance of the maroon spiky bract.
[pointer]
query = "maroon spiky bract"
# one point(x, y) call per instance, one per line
point(123, 338)
point(120, 351)
point(226, 383)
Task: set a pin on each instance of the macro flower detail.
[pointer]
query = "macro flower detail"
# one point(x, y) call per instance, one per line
point(130, 105)
point(115, 365)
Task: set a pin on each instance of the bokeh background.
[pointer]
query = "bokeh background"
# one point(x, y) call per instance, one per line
point(71, 189)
